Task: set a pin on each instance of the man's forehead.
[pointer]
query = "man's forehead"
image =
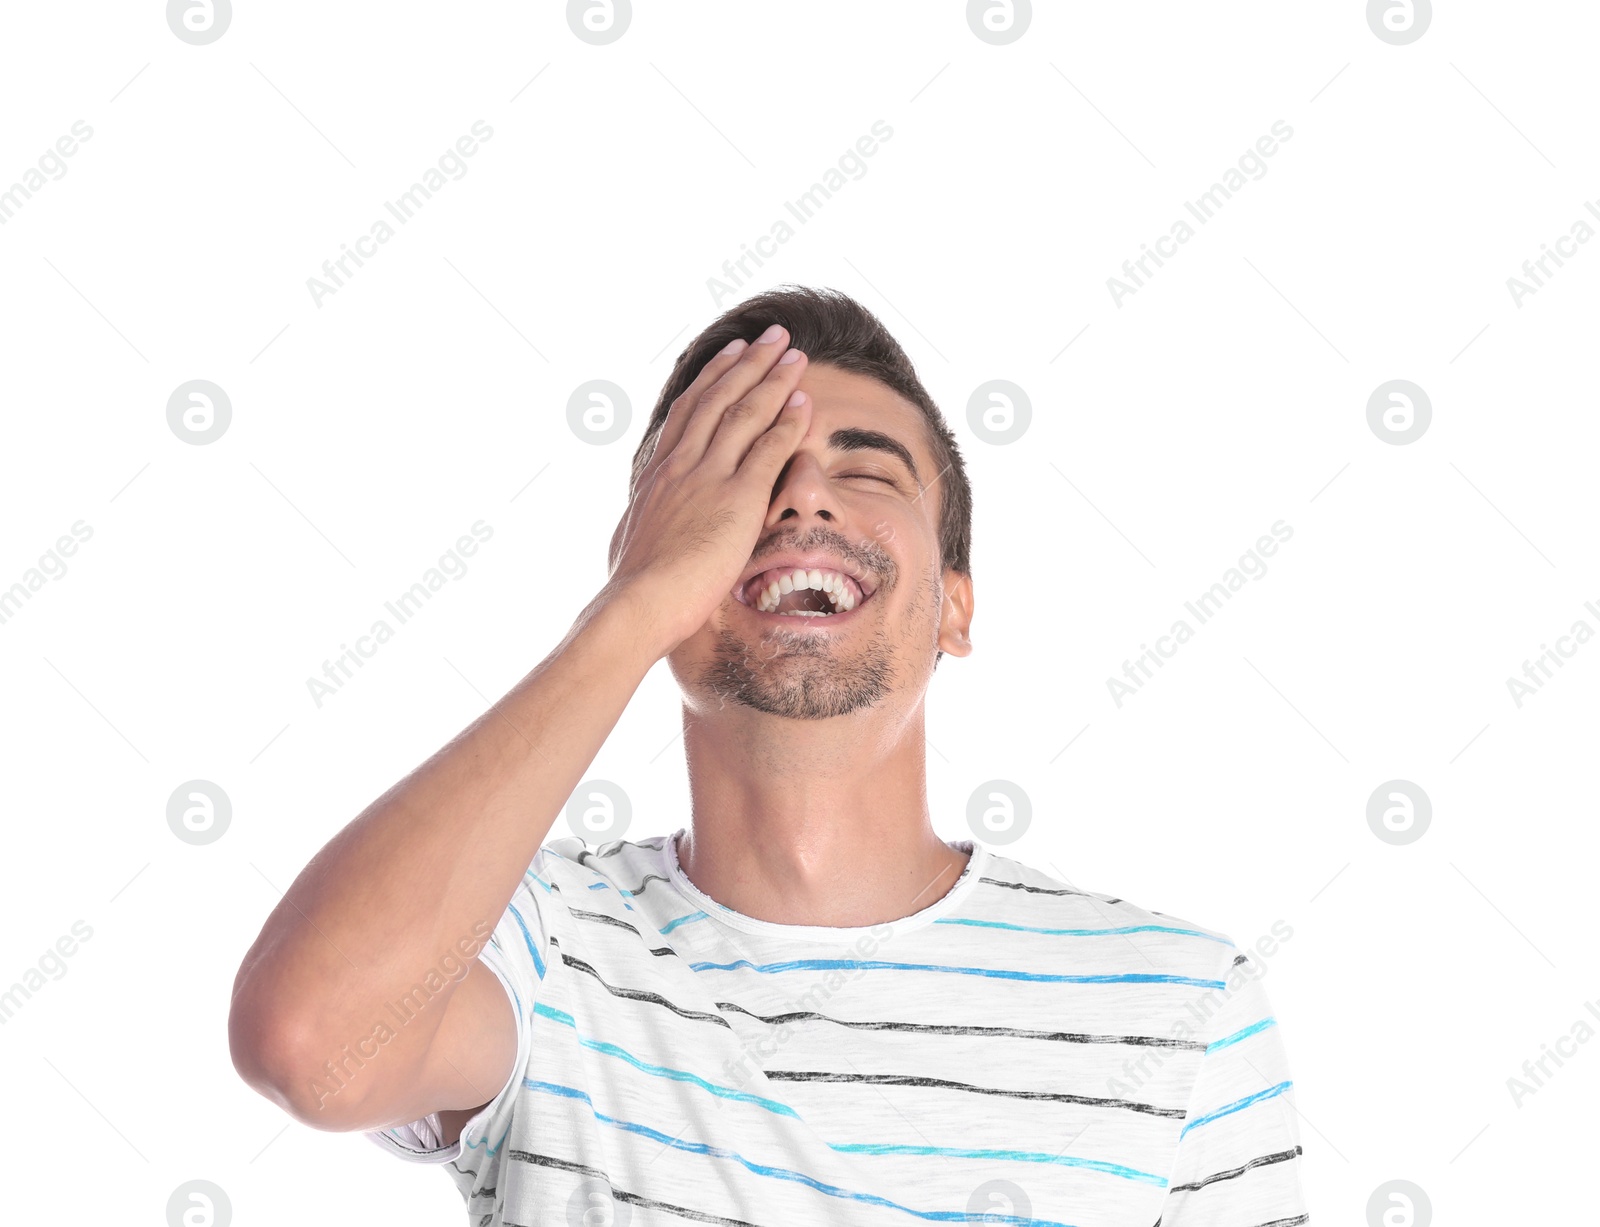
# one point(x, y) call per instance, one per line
point(853, 411)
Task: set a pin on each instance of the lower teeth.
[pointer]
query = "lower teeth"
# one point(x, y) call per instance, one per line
point(803, 613)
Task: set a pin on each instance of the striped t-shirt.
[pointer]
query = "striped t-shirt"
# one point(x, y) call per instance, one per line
point(1019, 1051)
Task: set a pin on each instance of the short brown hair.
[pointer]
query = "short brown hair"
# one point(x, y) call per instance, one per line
point(830, 327)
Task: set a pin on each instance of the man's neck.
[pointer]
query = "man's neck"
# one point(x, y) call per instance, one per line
point(813, 822)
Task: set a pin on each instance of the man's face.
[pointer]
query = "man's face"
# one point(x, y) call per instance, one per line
point(846, 503)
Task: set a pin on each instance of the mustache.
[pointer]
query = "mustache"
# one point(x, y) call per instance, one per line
point(866, 554)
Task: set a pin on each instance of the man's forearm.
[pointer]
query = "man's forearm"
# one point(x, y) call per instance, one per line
point(434, 860)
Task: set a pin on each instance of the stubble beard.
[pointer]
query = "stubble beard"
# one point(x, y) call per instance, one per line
point(800, 674)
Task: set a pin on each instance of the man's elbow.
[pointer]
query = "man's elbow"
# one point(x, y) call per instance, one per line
point(278, 1057)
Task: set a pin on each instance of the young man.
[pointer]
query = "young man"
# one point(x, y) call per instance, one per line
point(803, 1007)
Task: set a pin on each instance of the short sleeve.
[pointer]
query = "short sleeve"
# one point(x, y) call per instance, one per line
point(518, 953)
point(1238, 1156)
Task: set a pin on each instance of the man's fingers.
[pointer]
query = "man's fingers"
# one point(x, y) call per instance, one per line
point(772, 449)
point(753, 414)
point(753, 365)
point(672, 429)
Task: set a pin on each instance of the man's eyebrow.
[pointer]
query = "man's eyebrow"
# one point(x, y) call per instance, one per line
point(855, 439)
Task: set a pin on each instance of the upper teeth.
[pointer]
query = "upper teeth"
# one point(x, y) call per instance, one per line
point(831, 582)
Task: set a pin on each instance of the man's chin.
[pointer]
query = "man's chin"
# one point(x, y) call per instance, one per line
point(785, 672)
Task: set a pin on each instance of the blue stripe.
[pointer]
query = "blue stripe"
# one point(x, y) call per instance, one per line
point(545, 1010)
point(548, 889)
point(485, 1139)
point(1269, 1093)
point(683, 920)
point(1243, 1033)
point(1001, 924)
point(662, 1071)
point(874, 965)
point(626, 894)
point(779, 1173)
point(1012, 1156)
point(538, 963)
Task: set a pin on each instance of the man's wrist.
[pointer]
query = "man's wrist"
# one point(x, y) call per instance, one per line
point(629, 623)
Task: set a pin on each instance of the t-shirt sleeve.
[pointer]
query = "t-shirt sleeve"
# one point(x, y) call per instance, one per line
point(1238, 1156)
point(518, 953)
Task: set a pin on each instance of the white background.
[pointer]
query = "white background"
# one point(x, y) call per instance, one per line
point(1230, 392)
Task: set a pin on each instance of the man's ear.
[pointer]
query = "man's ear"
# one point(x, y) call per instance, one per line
point(955, 619)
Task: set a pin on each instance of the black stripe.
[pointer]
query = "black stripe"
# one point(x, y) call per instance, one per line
point(1064, 1037)
point(655, 843)
point(1038, 890)
point(634, 994)
point(1282, 1156)
point(1288, 1222)
point(790, 1075)
point(633, 1199)
point(648, 878)
point(1050, 890)
point(602, 918)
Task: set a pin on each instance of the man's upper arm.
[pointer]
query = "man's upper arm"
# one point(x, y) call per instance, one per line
point(476, 1058)
point(1238, 1156)
point(470, 1059)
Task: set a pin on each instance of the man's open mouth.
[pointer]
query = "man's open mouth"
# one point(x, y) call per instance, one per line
point(799, 593)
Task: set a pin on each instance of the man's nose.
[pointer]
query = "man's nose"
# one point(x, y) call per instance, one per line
point(802, 491)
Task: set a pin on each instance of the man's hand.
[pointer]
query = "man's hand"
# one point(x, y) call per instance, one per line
point(698, 508)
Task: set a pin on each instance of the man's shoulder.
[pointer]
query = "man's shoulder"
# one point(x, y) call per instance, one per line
point(626, 864)
point(1029, 896)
